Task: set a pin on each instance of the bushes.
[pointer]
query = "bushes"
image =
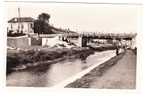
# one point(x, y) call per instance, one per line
point(33, 56)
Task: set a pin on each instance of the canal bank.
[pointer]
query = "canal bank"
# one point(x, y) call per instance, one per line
point(117, 73)
point(43, 57)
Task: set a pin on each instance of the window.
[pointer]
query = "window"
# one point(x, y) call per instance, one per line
point(31, 25)
point(11, 27)
point(22, 26)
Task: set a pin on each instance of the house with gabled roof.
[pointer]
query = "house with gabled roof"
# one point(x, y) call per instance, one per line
point(24, 24)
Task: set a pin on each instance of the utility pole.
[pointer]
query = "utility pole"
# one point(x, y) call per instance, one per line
point(19, 20)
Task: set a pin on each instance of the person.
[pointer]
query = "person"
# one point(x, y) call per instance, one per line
point(117, 47)
point(117, 50)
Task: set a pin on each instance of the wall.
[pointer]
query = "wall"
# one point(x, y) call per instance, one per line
point(18, 42)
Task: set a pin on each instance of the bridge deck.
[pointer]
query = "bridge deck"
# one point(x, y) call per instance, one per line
point(126, 36)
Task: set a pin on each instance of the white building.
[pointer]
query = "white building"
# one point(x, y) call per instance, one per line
point(25, 24)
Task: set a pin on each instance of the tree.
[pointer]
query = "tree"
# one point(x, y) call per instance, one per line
point(41, 25)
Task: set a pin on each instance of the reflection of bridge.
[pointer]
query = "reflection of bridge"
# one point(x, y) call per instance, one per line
point(84, 38)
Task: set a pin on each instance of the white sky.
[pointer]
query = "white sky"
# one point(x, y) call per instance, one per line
point(82, 17)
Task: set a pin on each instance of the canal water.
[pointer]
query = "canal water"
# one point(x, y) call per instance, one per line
point(53, 74)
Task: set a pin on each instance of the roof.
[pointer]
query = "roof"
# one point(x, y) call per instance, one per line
point(21, 19)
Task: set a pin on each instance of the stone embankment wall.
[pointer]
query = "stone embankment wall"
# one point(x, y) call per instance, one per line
point(18, 42)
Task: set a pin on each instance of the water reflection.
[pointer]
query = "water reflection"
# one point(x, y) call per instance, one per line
point(63, 70)
point(53, 74)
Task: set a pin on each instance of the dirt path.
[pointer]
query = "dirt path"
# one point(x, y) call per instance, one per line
point(120, 76)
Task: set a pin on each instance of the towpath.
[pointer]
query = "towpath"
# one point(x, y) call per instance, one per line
point(120, 76)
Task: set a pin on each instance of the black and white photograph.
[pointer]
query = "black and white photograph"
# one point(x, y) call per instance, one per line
point(72, 45)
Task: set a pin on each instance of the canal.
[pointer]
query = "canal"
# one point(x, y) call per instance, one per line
point(53, 74)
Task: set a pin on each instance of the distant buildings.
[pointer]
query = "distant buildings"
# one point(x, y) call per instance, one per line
point(23, 24)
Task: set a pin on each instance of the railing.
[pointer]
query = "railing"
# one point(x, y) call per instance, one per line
point(102, 35)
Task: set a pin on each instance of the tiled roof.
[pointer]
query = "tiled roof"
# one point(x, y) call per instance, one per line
point(21, 19)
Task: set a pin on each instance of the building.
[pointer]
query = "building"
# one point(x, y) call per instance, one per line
point(24, 24)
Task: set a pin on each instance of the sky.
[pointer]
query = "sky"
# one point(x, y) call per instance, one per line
point(83, 17)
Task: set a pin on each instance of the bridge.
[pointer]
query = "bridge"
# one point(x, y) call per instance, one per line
point(85, 37)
